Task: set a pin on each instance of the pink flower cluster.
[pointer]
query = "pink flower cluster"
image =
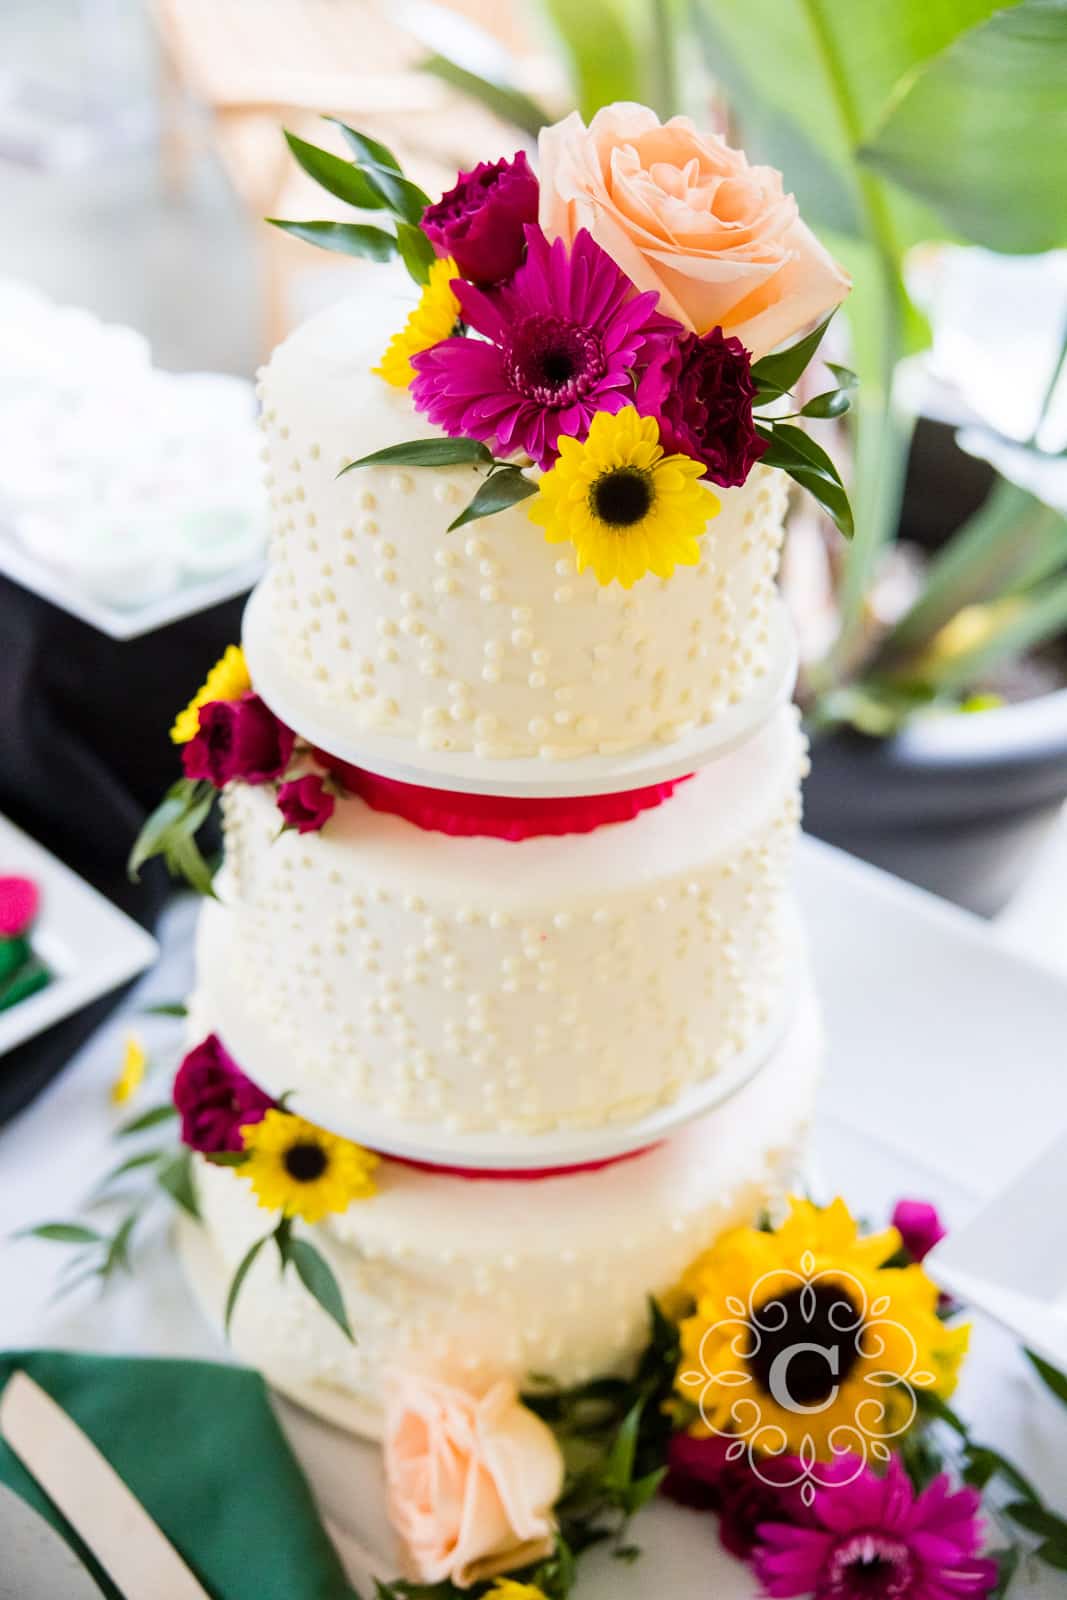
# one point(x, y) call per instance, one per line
point(566, 334)
point(242, 741)
point(866, 1536)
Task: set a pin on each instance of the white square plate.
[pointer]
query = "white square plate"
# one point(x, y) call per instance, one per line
point(90, 946)
point(117, 622)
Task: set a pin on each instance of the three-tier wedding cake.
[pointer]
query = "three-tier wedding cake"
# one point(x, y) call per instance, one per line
point(502, 967)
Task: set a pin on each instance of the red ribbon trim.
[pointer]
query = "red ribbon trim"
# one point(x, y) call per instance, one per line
point(517, 1174)
point(495, 816)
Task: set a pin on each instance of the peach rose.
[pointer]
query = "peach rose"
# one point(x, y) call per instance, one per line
point(471, 1482)
point(681, 212)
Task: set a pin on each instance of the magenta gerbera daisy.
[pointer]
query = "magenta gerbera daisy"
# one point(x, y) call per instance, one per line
point(565, 338)
point(874, 1538)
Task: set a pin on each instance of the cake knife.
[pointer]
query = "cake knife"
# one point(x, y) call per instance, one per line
point(83, 1485)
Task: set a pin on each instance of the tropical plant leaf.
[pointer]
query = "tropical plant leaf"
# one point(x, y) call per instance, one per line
point(62, 1233)
point(237, 1282)
point(981, 133)
point(336, 175)
point(504, 100)
point(1030, 622)
point(316, 1275)
point(148, 1119)
point(176, 1178)
point(502, 489)
point(382, 170)
point(416, 251)
point(426, 453)
point(1011, 537)
point(347, 238)
point(601, 73)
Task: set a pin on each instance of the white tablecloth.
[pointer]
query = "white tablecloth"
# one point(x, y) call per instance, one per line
point(876, 1140)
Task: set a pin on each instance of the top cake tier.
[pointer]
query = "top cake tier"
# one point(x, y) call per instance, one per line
point(487, 639)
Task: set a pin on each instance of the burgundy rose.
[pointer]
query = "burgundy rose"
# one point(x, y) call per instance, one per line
point(238, 739)
point(479, 222)
point(919, 1226)
point(707, 412)
point(215, 1098)
point(306, 803)
point(699, 1475)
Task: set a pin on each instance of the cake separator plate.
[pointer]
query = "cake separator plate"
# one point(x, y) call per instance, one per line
point(495, 1150)
point(523, 777)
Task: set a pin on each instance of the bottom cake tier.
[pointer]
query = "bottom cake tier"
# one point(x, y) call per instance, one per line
point(477, 1279)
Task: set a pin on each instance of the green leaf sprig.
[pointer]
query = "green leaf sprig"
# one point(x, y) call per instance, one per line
point(308, 1262)
point(505, 483)
point(792, 449)
point(372, 180)
point(171, 832)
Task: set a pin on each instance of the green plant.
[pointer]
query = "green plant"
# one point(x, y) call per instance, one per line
point(893, 124)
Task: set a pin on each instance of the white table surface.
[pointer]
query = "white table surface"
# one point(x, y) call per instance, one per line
point(944, 1080)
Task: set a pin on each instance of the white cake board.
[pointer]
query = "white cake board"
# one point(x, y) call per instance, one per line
point(522, 777)
point(249, 1041)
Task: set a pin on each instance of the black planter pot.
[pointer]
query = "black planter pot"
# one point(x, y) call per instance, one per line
point(956, 803)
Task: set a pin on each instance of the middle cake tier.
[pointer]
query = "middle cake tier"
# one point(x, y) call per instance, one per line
point(483, 986)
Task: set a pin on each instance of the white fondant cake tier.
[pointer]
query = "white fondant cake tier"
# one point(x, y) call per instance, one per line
point(478, 1280)
point(486, 639)
point(473, 984)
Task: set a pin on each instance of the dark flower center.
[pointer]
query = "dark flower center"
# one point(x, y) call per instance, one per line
point(305, 1162)
point(622, 497)
point(553, 361)
point(805, 1346)
point(868, 1566)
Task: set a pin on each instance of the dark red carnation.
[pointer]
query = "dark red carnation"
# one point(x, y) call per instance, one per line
point(238, 739)
point(707, 412)
point(215, 1098)
point(306, 803)
point(699, 1475)
point(479, 222)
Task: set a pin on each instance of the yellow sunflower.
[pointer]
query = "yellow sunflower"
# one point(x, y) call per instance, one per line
point(803, 1341)
point(227, 680)
point(508, 1589)
point(626, 507)
point(302, 1170)
point(433, 319)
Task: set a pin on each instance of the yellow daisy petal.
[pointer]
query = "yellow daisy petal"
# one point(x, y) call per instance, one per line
point(227, 680)
point(625, 507)
point(433, 319)
point(134, 1067)
point(302, 1170)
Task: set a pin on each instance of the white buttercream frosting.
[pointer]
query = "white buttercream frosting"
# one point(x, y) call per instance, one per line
point(486, 639)
point(473, 984)
point(477, 1281)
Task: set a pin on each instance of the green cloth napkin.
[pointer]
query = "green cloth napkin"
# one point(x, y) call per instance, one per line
point(200, 1447)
